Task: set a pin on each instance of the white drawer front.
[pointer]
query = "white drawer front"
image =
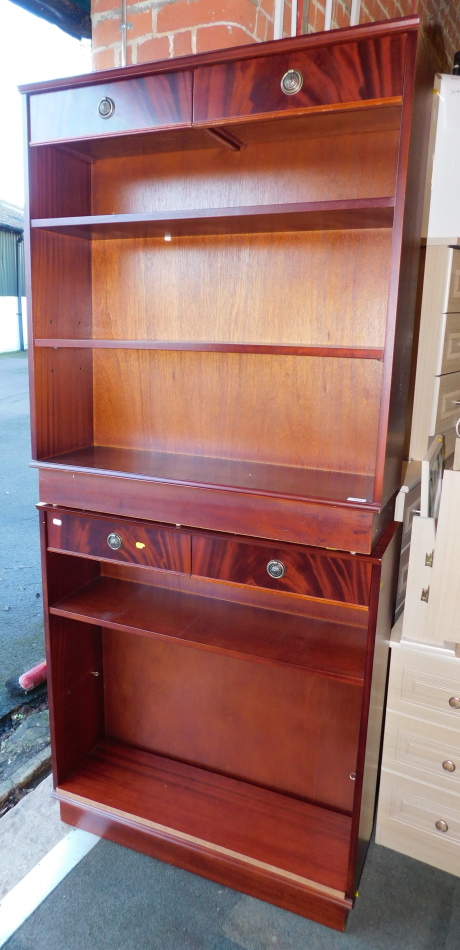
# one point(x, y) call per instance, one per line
point(421, 685)
point(453, 300)
point(446, 403)
point(406, 821)
point(450, 355)
point(425, 812)
point(423, 751)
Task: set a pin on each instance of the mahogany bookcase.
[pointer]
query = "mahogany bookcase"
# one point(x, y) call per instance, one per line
point(222, 257)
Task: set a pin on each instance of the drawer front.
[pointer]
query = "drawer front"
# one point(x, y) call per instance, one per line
point(412, 804)
point(425, 686)
point(329, 75)
point(407, 816)
point(423, 751)
point(450, 359)
point(453, 300)
point(154, 102)
point(446, 403)
point(293, 570)
point(126, 542)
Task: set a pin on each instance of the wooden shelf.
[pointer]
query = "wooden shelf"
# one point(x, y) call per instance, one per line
point(205, 346)
point(335, 650)
point(358, 213)
point(248, 822)
point(349, 489)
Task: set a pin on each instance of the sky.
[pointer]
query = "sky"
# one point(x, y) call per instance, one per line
point(32, 50)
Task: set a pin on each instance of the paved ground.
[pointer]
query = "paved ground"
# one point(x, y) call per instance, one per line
point(21, 619)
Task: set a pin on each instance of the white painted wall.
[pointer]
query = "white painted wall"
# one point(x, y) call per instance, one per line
point(9, 330)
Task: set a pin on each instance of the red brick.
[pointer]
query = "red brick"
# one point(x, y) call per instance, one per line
point(220, 37)
point(191, 13)
point(104, 6)
point(268, 6)
point(153, 49)
point(106, 32)
point(182, 43)
point(104, 59)
point(141, 24)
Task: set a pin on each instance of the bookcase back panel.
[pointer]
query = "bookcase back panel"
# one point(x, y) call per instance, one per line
point(61, 286)
point(282, 728)
point(301, 411)
point(314, 169)
point(320, 287)
point(64, 395)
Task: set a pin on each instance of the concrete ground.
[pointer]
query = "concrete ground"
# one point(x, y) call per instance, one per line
point(21, 619)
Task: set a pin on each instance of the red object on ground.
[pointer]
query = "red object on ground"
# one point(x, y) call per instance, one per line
point(32, 678)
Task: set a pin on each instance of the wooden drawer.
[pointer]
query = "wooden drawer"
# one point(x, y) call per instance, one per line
point(134, 542)
point(446, 403)
point(333, 74)
point(422, 685)
point(421, 750)
point(309, 572)
point(152, 102)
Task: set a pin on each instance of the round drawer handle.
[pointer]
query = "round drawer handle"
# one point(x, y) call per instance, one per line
point(276, 569)
point(106, 107)
point(449, 766)
point(292, 82)
point(454, 701)
point(442, 825)
point(114, 541)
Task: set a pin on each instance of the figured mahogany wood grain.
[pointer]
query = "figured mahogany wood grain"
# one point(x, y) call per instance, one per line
point(310, 573)
point(284, 729)
point(341, 352)
point(150, 102)
point(291, 835)
point(365, 31)
point(346, 73)
point(264, 882)
point(346, 526)
point(316, 216)
point(142, 544)
point(261, 174)
point(266, 636)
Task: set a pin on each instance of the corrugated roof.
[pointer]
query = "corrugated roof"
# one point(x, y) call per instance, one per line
point(11, 217)
point(72, 16)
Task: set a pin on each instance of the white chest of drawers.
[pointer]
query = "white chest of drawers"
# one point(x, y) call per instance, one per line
point(419, 802)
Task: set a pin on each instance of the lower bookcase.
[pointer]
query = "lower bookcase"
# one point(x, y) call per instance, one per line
point(212, 725)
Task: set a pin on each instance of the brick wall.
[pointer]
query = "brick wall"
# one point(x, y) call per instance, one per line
point(159, 29)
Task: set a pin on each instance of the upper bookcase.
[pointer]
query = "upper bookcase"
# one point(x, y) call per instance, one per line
point(223, 257)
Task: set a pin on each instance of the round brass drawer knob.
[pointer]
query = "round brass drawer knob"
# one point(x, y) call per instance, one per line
point(276, 569)
point(448, 765)
point(292, 82)
point(114, 541)
point(454, 701)
point(442, 825)
point(106, 107)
